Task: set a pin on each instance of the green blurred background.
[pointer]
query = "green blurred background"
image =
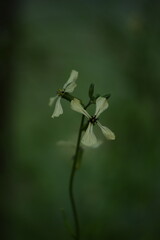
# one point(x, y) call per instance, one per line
point(116, 46)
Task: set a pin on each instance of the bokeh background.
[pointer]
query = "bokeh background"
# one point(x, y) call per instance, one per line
point(116, 46)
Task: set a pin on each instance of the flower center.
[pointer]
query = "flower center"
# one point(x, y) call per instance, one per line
point(93, 119)
point(60, 92)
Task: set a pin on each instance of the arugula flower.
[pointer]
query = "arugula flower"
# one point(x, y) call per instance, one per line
point(89, 139)
point(68, 87)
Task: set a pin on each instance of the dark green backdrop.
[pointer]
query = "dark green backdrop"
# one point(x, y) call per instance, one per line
point(115, 45)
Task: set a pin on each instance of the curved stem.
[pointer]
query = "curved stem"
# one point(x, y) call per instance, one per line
point(76, 235)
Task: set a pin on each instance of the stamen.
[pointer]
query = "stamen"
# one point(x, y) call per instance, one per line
point(60, 92)
point(93, 119)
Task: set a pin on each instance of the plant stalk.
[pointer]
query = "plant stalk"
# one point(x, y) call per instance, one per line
point(76, 236)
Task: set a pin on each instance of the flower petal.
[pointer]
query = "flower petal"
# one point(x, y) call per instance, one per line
point(68, 86)
point(52, 100)
point(106, 132)
point(76, 106)
point(101, 105)
point(89, 139)
point(58, 108)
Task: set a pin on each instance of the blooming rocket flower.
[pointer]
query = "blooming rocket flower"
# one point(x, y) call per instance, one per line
point(89, 139)
point(68, 87)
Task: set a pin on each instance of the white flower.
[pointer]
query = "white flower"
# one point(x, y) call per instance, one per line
point(68, 87)
point(89, 139)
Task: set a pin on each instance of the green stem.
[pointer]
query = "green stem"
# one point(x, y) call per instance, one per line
point(75, 216)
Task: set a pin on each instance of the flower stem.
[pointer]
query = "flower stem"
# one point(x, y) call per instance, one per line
point(76, 236)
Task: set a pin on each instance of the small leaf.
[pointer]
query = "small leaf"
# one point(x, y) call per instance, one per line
point(91, 91)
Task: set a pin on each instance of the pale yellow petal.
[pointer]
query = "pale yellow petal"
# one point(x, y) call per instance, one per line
point(101, 105)
point(58, 108)
point(76, 106)
point(106, 132)
point(70, 88)
point(73, 77)
point(89, 139)
point(52, 100)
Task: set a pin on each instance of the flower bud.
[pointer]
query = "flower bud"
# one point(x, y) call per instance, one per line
point(91, 91)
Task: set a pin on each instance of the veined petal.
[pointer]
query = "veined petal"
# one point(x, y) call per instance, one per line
point(52, 100)
point(101, 105)
point(70, 87)
point(76, 106)
point(58, 108)
point(89, 139)
point(73, 77)
point(106, 132)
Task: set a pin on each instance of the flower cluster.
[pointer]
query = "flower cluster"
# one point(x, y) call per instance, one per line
point(89, 139)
